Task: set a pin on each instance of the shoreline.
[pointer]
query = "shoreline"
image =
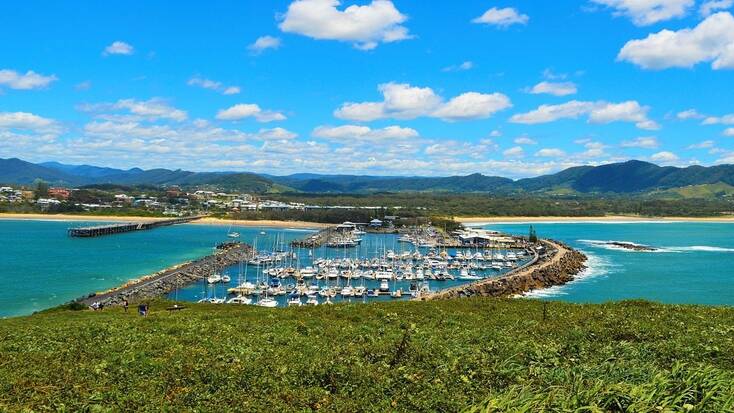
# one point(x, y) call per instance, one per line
point(619, 219)
point(202, 221)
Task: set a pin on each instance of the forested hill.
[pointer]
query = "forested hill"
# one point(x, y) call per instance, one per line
point(622, 178)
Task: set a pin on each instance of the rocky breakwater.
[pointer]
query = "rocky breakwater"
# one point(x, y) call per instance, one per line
point(163, 282)
point(554, 263)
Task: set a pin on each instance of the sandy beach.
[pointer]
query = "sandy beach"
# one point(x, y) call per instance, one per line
point(608, 218)
point(203, 221)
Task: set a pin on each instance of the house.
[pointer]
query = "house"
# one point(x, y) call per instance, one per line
point(376, 223)
point(59, 193)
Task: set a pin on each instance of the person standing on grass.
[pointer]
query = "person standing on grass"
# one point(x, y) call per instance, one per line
point(124, 305)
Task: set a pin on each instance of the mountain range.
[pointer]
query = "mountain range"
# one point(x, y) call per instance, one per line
point(622, 178)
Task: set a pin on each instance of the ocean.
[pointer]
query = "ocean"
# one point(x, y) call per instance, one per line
point(40, 266)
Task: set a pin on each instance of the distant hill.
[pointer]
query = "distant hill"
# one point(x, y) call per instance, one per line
point(617, 178)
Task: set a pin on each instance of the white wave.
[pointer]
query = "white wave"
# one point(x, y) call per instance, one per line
point(704, 248)
point(596, 267)
point(583, 221)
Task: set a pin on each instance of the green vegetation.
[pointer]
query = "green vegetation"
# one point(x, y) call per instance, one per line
point(481, 354)
point(428, 204)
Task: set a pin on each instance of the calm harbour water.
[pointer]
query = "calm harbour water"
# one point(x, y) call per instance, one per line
point(41, 266)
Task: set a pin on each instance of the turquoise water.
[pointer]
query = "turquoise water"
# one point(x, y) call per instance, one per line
point(695, 263)
point(40, 266)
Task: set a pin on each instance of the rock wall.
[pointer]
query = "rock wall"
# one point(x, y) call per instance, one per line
point(557, 265)
point(179, 276)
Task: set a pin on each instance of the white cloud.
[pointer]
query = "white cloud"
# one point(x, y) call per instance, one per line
point(524, 140)
point(364, 26)
point(467, 65)
point(346, 133)
point(729, 132)
point(646, 142)
point(689, 114)
point(263, 43)
point(709, 7)
point(213, 85)
point(646, 12)
point(514, 152)
point(27, 81)
point(403, 101)
point(502, 17)
point(495, 133)
point(664, 156)
point(246, 110)
point(275, 134)
point(152, 109)
point(702, 145)
point(597, 112)
point(27, 121)
point(716, 120)
point(85, 85)
point(118, 47)
point(550, 153)
point(712, 40)
point(554, 88)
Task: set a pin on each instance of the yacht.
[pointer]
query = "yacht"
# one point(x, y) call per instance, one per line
point(214, 278)
point(240, 299)
point(267, 302)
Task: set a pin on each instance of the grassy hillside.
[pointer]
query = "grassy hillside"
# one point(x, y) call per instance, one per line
point(484, 354)
point(706, 191)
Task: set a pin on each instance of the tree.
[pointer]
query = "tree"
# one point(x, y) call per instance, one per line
point(41, 188)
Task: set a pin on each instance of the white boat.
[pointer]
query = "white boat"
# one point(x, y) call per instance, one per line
point(240, 299)
point(226, 278)
point(397, 293)
point(347, 291)
point(267, 302)
point(233, 234)
point(384, 286)
point(214, 278)
point(295, 302)
point(313, 300)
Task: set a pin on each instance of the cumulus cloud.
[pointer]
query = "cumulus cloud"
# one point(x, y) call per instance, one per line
point(708, 144)
point(24, 81)
point(514, 152)
point(118, 47)
point(716, 120)
point(664, 156)
point(246, 110)
point(728, 132)
point(28, 122)
point(502, 17)
point(524, 140)
point(152, 109)
point(646, 12)
point(712, 40)
point(597, 112)
point(554, 88)
point(709, 7)
point(363, 133)
point(213, 85)
point(646, 142)
point(550, 153)
point(364, 26)
point(403, 101)
point(689, 114)
point(263, 43)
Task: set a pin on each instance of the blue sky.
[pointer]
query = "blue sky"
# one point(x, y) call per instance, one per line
point(513, 88)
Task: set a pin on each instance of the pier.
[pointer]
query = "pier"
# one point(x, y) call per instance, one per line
point(315, 240)
point(101, 230)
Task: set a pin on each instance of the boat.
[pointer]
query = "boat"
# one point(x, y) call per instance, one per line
point(397, 293)
point(347, 291)
point(233, 234)
point(313, 300)
point(384, 286)
point(267, 302)
point(214, 278)
point(294, 301)
point(226, 278)
point(240, 299)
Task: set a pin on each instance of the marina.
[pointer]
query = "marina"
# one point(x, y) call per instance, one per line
point(378, 267)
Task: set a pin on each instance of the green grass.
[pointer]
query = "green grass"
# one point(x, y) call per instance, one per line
point(477, 354)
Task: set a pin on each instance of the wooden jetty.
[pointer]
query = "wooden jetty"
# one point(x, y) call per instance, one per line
point(100, 230)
